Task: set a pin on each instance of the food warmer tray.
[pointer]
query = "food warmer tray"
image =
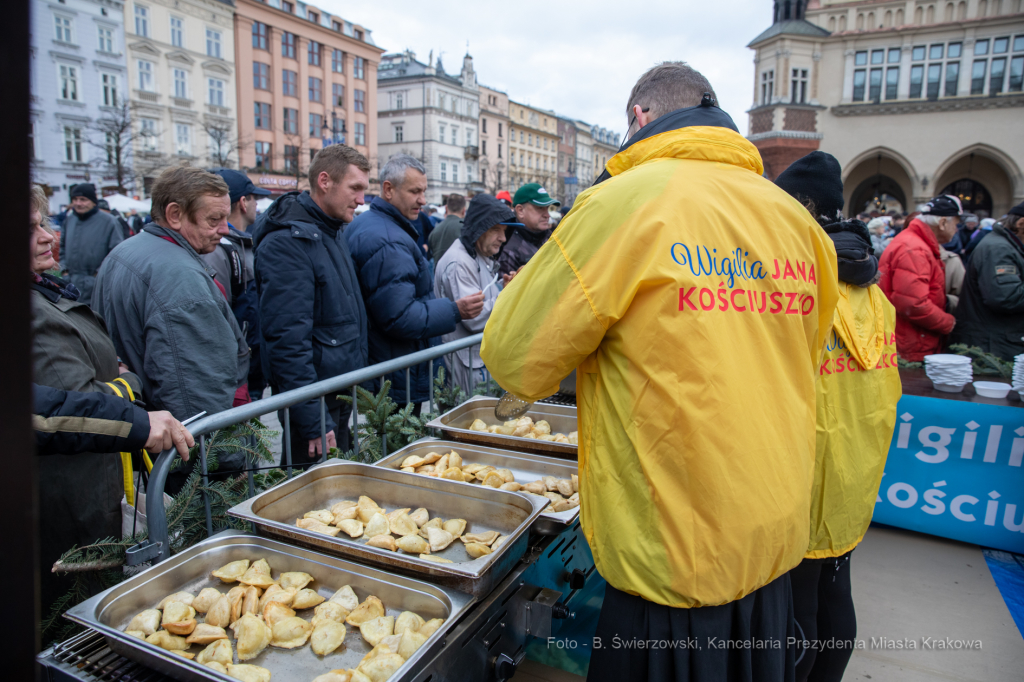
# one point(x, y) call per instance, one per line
point(525, 467)
point(455, 424)
point(110, 611)
point(274, 513)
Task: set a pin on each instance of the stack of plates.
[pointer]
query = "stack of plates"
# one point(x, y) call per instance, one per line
point(1018, 373)
point(948, 373)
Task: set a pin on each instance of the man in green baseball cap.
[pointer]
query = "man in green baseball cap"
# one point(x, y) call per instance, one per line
point(530, 204)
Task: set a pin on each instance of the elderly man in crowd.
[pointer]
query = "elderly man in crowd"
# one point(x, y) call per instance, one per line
point(169, 322)
point(466, 268)
point(991, 310)
point(531, 204)
point(88, 235)
point(311, 310)
point(396, 278)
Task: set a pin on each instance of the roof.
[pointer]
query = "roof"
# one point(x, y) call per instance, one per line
point(794, 27)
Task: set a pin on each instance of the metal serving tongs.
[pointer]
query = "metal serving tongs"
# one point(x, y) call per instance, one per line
point(510, 407)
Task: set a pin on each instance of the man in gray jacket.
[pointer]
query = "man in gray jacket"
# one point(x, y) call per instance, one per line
point(169, 322)
point(87, 237)
point(468, 266)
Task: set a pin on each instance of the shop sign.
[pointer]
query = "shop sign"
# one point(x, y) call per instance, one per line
point(955, 470)
point(272, 181)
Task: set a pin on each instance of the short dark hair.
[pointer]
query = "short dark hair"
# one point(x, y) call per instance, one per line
point(455, 203)
point(335, 160)
point(667, 87)
point(185, 186)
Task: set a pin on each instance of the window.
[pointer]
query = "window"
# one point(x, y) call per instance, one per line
point(483, 125)
point(1000, 45)
point(109, 84)
point(860, 58)
point(499, 149)
point(291, 121)
point(916, 80)
point(894, 55)
point(469, 138)
point(313, 16)
point(68, 82)
point(877, 56)
point(359, 68)
point(177, 32)
point(106, 39)
point(147, 130)
point(455, 172)
point(399, 101)
point(183, 139)
point(212, 43)
point(289, 83)
point(978, 76)
point(952, 78)
point(145, 75)
point(520, 158)
point(260, 33)
point(455, 135)
point(444, 171)
point(996, 76)
point(142, 21)
point(483, 147)
point(288, 7)
point(291, 159)
point(545, 143)
point(935, 51)
point(337, 61)
point(953, 51)
point(215, 92)
point(1016, 75)
point(499, 129)
point(62, 28)
point(262, 113)
point(180, 84)
point(934, 78)
point(799, 93)
point(262, 154)
point(859, 78)
point(312, 154)
point(359, 34)
point(110, 146)
point(529, 140)
point(316, 124)
point(917, 54)
point(892, 80)
point(359, 137)
point(360, 100)
point(288, 44)
point(260, 76)
point(336, 25)
point(767, 90)
point(981, 47)
point(315, 89)
point(314, 53)
point(338, 94)
point(72, 145)
point(399, 134)
point(520, 137)
point(441, 136)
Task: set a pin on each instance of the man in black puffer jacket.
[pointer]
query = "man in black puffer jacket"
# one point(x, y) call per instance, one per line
point(312, 318)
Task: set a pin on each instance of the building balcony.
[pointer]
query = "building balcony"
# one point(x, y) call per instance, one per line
point(146, 96)
point(218, 111)
point(181, 103)
point(472, 153)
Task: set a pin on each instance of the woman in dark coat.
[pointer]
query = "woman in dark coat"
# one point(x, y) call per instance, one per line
point(79, 496)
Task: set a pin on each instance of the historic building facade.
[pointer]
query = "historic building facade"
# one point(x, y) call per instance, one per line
point(181, 74)
point(78, 79)
point(533, 146)
point(307, 79)
point(494, 137)
point(568, 182)
point(913, 98)
point(606, 145)
point(433, 116)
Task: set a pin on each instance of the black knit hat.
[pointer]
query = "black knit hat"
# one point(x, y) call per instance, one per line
point(816, 177)
point(944, 205)
point(84, 189)
point(1017, 210)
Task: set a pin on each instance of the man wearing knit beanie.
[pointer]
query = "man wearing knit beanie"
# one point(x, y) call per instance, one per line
point(815, 181)
point(88, 236)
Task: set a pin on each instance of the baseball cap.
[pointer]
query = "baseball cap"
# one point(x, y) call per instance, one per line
point(944, 205)
point(239, 184)
point(533, 193)
point(504, 195)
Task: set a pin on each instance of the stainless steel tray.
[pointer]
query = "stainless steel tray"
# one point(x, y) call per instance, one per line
point(275, 511)
point(524, 466)
point(110, 611)
point(455, 424)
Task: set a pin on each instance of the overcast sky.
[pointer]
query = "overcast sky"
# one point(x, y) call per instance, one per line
point(578, 58)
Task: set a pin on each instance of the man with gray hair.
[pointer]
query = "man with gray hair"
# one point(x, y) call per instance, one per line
point(396, 278)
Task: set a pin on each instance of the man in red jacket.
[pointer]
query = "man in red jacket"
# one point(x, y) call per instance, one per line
point(914, 279)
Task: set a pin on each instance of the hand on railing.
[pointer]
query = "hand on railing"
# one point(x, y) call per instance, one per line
point(165, 432)
point(315, 445)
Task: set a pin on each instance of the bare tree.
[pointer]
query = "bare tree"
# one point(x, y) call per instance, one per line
point(112, 135)
point(496, 178)
point(223, 143)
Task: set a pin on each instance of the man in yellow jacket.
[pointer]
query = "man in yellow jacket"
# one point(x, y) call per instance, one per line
point(694, 298)
point(858, 389)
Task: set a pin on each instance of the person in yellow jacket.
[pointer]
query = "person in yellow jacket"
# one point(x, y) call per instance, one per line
point(858, 388)
point(693, 297)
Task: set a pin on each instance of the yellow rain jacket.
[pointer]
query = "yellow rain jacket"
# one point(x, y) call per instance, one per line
point(694, 296)
point(856, 416)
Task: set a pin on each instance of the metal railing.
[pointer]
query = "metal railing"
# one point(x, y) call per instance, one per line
point(157, 546)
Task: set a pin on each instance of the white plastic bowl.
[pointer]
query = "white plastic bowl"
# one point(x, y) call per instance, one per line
point(949, 388)
point(992, 389)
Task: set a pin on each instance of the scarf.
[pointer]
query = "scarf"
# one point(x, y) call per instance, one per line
point(857, 263)
point(57, 285)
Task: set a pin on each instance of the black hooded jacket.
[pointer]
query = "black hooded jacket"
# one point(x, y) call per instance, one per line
point(312, 318)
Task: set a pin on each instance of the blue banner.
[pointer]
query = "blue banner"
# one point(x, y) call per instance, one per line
point(954, 470)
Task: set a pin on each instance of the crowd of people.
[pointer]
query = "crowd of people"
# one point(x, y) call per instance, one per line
point(725, 476)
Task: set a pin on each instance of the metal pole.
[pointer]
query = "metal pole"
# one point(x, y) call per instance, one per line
point(288, 442)
point(408, 395)
point(431, 384)
point(206, 483)
point(323, 429)
point(355, 423)
point(248, 467)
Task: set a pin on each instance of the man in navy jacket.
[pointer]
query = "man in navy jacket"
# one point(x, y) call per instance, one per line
point(312, 318)
point(397, 280)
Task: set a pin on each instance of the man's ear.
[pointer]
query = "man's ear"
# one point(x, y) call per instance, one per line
point(642, 118)
point(173, 215)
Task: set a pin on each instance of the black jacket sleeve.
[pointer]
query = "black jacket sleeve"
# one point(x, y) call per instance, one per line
point(72, 423)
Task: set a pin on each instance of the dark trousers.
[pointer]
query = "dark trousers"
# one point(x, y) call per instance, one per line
point(823, 603)
point(340, 413)
point(638, 640)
